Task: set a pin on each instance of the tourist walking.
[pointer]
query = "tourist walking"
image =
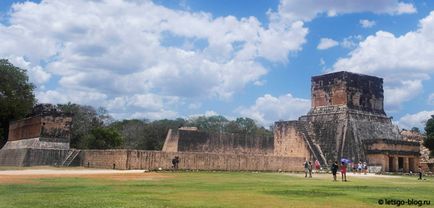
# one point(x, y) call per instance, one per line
point(344, 171)
point(334, 170)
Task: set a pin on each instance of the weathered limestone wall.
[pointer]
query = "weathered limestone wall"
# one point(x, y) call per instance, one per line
point(37, 157)
point(31, 157)
point(40, 126)
point(12, 157)
point(197, 141)
point(171, 142)
point(56, 127)
point(289, 141)
point(135, 159)
point(25, 129)
point(356, 91)
point(37, 143)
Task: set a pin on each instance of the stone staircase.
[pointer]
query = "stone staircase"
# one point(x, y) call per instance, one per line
point(314, 148)
point(72, 154)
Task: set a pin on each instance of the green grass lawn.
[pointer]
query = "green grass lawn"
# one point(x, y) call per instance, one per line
point(215, 189)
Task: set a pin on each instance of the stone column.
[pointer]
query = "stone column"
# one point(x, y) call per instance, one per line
point(395, 164)
point(405, 165)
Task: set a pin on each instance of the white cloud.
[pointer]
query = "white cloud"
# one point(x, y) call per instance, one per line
point(268, 109)
point(37, 74)
point(415, 120)
point(404, 91)
point(306, 10)
point(351, 42)
point(326, 43)
point(431, 99)
point(403, 61)
point(126, 52)
point(367, 23)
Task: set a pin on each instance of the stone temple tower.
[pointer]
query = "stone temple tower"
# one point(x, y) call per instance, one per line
point(347, 109)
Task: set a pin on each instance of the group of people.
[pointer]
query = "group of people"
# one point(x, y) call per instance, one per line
point(359, 168)
point(308, 168)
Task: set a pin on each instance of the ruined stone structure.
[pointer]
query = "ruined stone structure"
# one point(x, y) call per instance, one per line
point(347, 120)
point(40, 139)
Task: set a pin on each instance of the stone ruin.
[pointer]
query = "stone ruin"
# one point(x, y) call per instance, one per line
point(347, 120)
point(42, 138)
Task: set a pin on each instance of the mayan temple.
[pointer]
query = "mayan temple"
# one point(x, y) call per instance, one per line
point(347, 120)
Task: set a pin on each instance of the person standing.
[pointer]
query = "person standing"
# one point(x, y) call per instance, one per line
point(359, 167)
point(175, 162)
point(334, 170)
point(317, 166)
point(365, 168)
point(310, 169)
point(306, 168)
point(420, 172)
point(344, 171)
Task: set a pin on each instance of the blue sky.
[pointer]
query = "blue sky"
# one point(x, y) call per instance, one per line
point(182, 58)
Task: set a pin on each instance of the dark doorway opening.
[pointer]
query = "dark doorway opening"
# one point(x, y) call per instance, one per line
point(390, 164)
point(400, 164)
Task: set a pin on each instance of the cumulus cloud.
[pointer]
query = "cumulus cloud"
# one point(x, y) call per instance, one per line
point(431, 99)
point(268, 109)
point(403, 61)
point(367, 23)
point(306, 10)
point(123, 53)
point(326, 43)
point(37, 74)
point(419, 119)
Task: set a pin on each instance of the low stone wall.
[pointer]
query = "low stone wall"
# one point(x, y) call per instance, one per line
point(136, 159)
point(31, 157)
point(12, 157)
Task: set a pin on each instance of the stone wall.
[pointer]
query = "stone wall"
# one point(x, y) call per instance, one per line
point(25, 129)
point(136, 159)
point(289, 141)
point(197, 141)
point(356, 91)
point(31, 157)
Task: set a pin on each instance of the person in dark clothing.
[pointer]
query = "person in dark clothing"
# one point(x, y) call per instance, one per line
point(420, 173)
point(334, 169)
point(175, 162)
point(306, 168)
point(310, 169)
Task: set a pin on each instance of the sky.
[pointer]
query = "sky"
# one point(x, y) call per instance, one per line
point(183, 58)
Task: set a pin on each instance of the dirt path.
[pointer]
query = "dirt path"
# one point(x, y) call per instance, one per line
point(28, 175)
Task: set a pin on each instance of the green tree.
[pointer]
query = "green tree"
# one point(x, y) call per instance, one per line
point(102, 138)
point(415, 130)
point(429, 130)
point(16, 96)
point(84, 120)
point(212, 124)
point(142, 134)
